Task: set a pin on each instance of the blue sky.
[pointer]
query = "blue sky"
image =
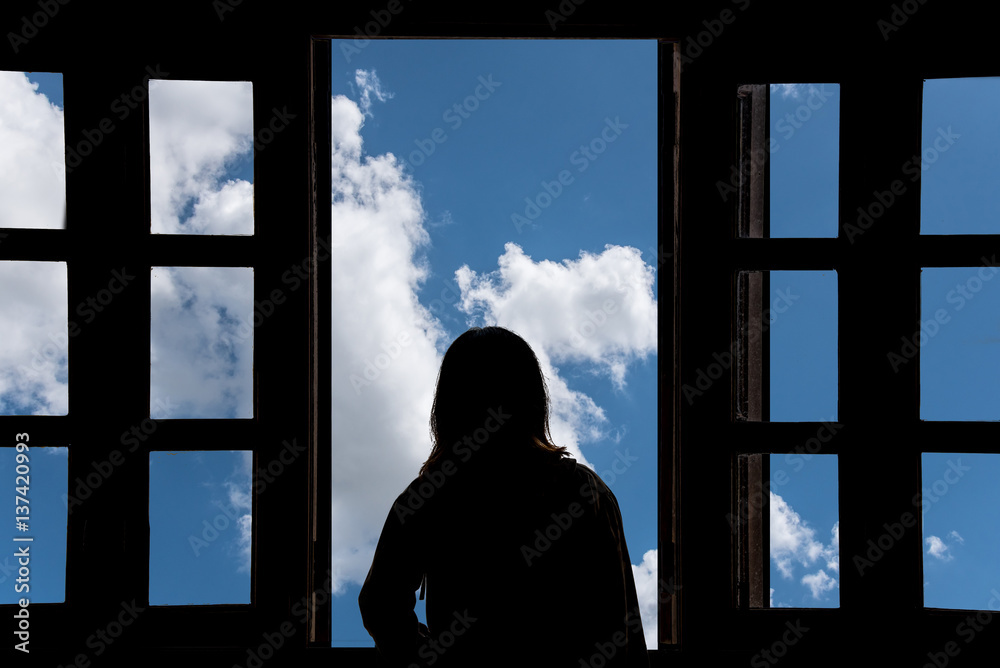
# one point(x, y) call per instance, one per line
point(551, 148)
point(957, 341)
point(570, 127)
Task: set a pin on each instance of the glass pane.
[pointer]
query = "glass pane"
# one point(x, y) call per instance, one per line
point(957, 341)
point(200, 527)
point(34, 318)
point(802, 318)
point(32, 151)
point(961, 530)
point(805, 527)
point(553, 235)
point(959, 162)
point(201, 157)
point(804, 154)
point(37, 480)
point(201, 342)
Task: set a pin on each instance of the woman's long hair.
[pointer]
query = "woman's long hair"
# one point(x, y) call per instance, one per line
point(490, 394)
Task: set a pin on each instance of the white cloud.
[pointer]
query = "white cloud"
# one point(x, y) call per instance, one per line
point(385, 343)
point(793, 540)
point(34, 314)
point(598, 309)
point(197, 130)
point(647, 591)
point(32, 156)
point(369, 85)
point(796, 91)
point(937, 548)
point(956, 536)
point(819, 583)
point(201, 342)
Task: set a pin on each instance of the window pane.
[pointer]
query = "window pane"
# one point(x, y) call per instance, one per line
point(958, 342)
point(200, 527)
point(201, 342)
point(805, 528)
point(32, 151)
point(484, 182)
point(802, 318)
point(961, 530)
point(804, 154)
point(201, 157)
point(959, 165)
point(34, 366)
point(47, 473)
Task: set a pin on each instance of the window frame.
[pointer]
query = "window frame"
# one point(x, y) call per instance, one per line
point(881, 435)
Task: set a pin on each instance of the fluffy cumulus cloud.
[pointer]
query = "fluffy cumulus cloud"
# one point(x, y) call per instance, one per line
point(198, 132)
point(793, 541)
point(598, 310)
point(387, 345)
point(33, 357)
point(201, 342)
point(940, 550)
point(32, 156)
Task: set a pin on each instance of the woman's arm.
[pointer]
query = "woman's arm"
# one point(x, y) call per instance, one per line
point(387, 598)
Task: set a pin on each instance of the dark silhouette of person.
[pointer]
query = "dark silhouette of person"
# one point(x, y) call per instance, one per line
point(519, 549)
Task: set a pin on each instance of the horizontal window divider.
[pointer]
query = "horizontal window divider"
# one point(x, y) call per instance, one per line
point(788, 437)
point(39, 245)
point(192, 250)
point(44, 430)
point(785, 254)
point(959, 437)
point(959, 250)
point(184, 434)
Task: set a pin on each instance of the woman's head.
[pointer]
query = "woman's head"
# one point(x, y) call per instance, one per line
point(490, 389)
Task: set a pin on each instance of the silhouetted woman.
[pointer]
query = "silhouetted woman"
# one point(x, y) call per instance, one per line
point(520, 548)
